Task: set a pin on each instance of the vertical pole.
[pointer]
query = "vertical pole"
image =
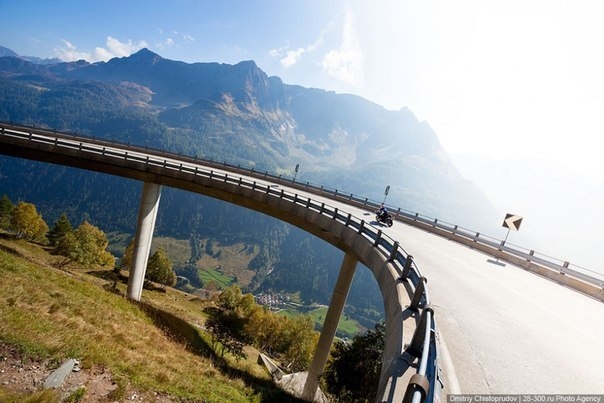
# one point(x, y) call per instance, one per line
point(336, 306)
point(142, 242)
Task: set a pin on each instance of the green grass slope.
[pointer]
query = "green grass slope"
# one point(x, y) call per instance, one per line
point(155, 348)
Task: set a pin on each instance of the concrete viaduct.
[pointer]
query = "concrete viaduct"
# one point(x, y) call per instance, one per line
point(513, 332)
point(409, 363)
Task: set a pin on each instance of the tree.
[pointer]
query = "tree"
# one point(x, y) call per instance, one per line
point(28, 223)
point(299, 339)
point(128, 256)
point(294, 339)
point(227, 328)
point(86, 245)
point(6, 212)
point(159, 269)
point(61, 228)
point(353, 373)
point(227, 323)
point(230, 297)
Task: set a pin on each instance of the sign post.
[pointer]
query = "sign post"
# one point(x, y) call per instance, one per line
point(511, 222)
point(386, 193)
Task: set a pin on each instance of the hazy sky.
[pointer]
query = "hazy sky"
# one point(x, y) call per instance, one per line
point(505, 79)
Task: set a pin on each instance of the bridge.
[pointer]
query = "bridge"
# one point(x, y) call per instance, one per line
point(501, 329)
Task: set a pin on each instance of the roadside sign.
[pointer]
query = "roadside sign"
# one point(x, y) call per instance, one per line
point(512, 221)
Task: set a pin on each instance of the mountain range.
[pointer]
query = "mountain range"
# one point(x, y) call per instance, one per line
point(238, 114)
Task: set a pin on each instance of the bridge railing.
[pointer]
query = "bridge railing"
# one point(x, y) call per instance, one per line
point(423, 343)
point(561, 266)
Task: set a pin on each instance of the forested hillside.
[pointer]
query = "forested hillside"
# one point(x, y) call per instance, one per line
point(233, 113)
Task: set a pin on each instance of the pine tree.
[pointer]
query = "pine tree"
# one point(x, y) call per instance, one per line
point(160, 269)
point(60, 229)
point(6, 212)
point(353, 373)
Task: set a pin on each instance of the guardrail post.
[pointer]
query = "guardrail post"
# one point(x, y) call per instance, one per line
point(377, 238)
point(418, 294)
point(416, 346)
point(348, 219)
point(394, 251)
point(361, 227)
point(335, 213)
point(407, 267)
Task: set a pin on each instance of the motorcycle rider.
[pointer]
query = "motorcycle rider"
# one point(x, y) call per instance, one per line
point(382, 212)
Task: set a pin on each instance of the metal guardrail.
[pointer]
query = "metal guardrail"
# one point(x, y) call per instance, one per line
point(562, 266)
point(421, 387)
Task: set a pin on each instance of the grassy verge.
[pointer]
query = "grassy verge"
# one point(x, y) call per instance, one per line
point(81, 313)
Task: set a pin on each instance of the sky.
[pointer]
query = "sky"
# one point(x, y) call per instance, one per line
point(498, 81)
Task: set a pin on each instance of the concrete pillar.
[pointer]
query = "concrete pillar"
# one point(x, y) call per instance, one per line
point(334, 312)
point(142, 242)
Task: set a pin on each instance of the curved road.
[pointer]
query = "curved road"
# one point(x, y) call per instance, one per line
point(506, 330)
point(503, 329)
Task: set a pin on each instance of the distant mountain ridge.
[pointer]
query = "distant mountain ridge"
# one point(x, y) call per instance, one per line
point(234, 113)
point(8, 52)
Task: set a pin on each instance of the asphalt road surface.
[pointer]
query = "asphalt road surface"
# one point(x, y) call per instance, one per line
point(503, 330)
point(507, 330)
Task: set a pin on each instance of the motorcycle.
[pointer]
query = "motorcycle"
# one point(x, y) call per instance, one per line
point(383, 218)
